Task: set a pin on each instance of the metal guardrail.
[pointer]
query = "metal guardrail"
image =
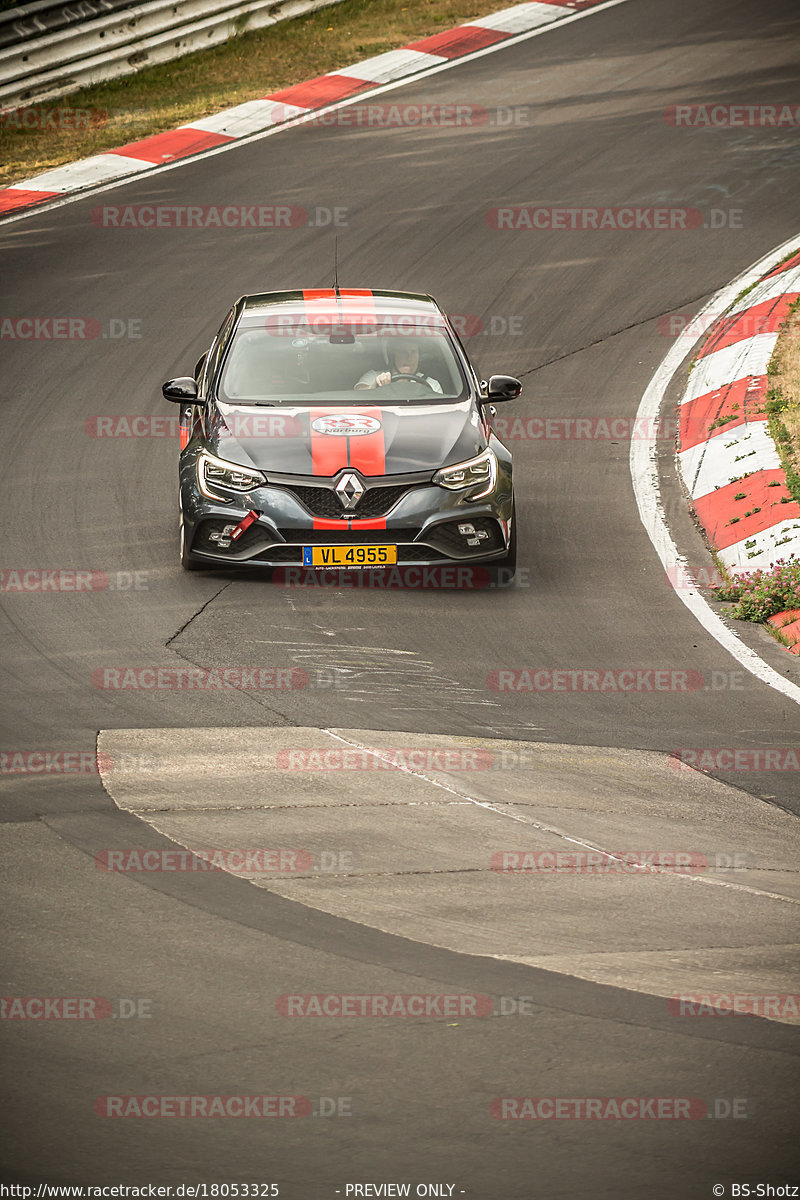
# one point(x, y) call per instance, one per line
point(34, 20)
point(50, 49)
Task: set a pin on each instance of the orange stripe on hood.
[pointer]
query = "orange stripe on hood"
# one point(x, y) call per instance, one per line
point(328, 453)
point(368, 450)
point(365, 453)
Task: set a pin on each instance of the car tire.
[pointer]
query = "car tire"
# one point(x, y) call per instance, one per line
point(501, 571)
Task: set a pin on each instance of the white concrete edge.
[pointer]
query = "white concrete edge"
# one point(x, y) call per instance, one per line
point(644, 474)
point(521, 818)
point(151, 168)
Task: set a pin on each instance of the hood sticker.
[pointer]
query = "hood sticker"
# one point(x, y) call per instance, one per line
point(346, 425)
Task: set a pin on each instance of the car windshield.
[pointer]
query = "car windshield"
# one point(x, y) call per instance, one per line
point(387, 361)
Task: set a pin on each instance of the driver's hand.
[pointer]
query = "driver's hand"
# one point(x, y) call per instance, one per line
point(384, 378)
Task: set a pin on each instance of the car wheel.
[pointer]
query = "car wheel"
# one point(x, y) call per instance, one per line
point(501, 571)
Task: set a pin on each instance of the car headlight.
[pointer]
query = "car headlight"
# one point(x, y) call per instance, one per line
point(479, 470)
point(217, 472)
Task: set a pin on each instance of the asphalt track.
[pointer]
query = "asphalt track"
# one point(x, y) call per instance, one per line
point(213, 953)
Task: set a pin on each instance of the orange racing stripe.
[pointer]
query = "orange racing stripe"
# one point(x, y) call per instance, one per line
point(368, 451)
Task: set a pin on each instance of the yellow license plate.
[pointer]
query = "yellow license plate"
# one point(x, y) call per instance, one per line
point(349, 556)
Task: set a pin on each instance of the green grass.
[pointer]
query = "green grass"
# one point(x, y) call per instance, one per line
point(783, 399)
point(244, 68)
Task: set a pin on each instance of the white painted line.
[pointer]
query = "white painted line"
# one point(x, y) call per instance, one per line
point(717, 462)
point(748, 357)
point(575, 841)
point(644, 473)
point(394, 64)
point(59, 202)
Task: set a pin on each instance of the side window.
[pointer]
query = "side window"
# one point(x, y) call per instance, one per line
point(466, 361)
point(210, 360)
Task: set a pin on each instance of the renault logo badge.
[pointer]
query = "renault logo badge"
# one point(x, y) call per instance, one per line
point(349, 489)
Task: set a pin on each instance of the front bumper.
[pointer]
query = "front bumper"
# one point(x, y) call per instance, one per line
point(423, 523)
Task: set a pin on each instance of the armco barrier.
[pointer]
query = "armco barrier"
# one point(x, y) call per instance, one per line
point(43, 54)
point(29, 21)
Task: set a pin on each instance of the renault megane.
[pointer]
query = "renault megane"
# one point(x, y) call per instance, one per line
point(342, 428)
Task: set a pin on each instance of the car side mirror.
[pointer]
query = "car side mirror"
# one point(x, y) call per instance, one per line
point(181, 391)
point(503, 387)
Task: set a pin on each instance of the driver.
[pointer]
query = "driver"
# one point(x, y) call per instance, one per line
point(403, 359)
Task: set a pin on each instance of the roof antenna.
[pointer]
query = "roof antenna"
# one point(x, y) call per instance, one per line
point(336, 264)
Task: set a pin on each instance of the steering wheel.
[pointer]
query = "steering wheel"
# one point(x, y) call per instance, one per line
point(410, 378)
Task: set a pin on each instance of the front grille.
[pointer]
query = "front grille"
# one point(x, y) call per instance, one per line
point(347, 537)
point(418, 553)
point(323, 502)
point(283, 554)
